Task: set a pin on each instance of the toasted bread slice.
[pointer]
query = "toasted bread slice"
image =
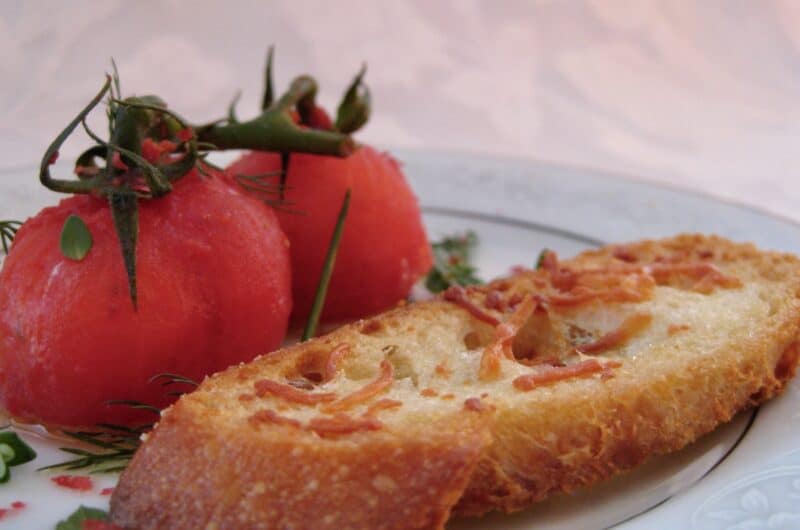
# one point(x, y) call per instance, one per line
point(489, 398)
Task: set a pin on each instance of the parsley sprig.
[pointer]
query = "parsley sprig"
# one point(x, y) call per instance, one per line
point(451, 264)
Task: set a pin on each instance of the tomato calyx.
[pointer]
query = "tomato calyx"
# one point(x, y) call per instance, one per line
point(276, 130)
point(352, 113)
point(356, 105)
point(150, 147)
point(297, 124)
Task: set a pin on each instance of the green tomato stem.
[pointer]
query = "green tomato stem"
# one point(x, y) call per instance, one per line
point(69, 186)
point(274, 129)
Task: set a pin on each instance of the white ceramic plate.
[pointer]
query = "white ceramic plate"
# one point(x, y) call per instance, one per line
point(745, 475)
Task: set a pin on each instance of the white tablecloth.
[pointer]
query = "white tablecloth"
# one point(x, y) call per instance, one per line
point(699, 94)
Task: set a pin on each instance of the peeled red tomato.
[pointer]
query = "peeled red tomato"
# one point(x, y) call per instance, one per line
point(213, 288)
point(384, 248)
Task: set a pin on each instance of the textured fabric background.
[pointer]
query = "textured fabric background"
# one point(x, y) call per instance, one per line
point(697, 94)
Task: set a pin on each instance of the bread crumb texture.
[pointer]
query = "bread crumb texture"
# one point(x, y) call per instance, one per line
point(488, 398)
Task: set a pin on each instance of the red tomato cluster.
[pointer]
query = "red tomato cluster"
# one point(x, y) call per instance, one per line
point(218, 273)
point(216, 282)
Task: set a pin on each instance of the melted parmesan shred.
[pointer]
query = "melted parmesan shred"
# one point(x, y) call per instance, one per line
point(630, 327)
point(383, 381)
point(545, 375)
point(334, 360)
point(459, 296)
point(290, 393)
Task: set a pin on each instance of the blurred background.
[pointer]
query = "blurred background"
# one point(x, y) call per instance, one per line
point(703, 95)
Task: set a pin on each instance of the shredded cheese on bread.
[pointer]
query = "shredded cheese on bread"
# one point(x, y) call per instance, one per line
point(489, 398)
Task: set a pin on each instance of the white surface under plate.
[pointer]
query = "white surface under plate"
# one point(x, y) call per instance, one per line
point(745, 475)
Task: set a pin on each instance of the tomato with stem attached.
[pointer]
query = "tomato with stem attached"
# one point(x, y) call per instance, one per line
point(213, 281)
point(384, 249)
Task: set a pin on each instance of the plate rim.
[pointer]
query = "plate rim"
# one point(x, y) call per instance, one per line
point(588, 170)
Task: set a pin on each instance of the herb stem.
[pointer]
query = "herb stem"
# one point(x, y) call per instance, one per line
point(327, 270)
point(8, 230)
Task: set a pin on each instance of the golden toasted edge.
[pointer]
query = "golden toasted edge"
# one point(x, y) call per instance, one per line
point(197, 471)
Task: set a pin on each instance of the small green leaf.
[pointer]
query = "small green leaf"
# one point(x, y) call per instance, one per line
point(76, 519)
point(22, 452)
point(76, 241)
point(5, 472)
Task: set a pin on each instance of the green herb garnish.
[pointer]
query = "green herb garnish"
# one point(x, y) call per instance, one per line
point(540, 259)
point(13, 452)
point(327, 270)
point(115, 444)
point(8, 229)
point(451, 264)
point(117, 449)
point(76, 240)
point(78, 517)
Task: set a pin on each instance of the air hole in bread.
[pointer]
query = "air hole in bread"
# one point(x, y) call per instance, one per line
point(402, 364)
point(539, 338)
point(479, 336)
point(308, 369)
point(472, 340)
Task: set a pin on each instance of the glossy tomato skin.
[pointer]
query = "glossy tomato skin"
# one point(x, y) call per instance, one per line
point(384, 248)
point(213, 289)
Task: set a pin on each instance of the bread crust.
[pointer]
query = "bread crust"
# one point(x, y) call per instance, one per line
point(203, 467)
point(197, 473)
